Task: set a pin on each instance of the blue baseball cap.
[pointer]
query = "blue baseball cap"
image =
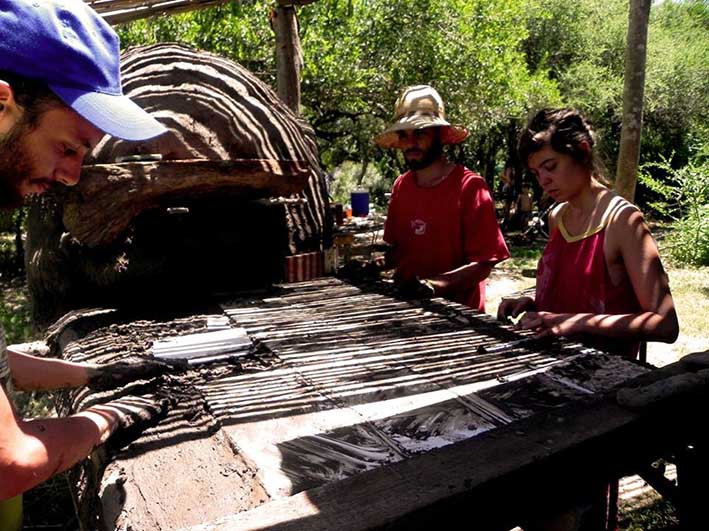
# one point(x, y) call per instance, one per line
point(68, 46)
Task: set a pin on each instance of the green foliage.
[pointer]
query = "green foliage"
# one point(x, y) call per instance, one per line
point(12, 226)
point(677, 87)
point(582, 45)
point(15, 311)
point(358, 55)
point(685, 194)
point(238, 30)
point(16, 321)
point(351, 176)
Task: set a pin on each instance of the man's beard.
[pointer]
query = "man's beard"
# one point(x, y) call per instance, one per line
point(429, 156)
point(16, 166)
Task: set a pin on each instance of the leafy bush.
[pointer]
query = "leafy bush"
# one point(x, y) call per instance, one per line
point(685, 200)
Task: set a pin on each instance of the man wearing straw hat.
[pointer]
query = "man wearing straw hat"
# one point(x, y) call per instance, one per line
point(60, 92)
point(441, 221)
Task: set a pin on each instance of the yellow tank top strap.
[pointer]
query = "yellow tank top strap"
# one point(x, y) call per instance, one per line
point(575, 238)
point(614, 205)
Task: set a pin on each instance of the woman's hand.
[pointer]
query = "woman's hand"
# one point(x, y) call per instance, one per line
point(514, 307)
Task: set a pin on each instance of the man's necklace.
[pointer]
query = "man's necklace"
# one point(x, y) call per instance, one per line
point(437, 180)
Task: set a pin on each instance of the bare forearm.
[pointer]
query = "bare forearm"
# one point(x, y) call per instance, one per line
point(461, 278)
point(646, 326)
point(33, 373)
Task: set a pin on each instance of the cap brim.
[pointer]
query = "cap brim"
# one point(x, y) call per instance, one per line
point(116, 115)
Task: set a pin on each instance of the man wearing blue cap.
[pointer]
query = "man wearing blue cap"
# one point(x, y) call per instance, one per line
point(60, 92)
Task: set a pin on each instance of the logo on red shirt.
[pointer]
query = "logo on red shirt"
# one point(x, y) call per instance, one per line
point(419, 227)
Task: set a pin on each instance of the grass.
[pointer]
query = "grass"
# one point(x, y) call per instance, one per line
point(690, 290)
point(658, 516)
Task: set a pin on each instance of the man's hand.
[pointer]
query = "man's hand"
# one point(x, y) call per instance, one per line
point(415, 289)
point(380, 262)
point(359, 270)
point(512, 308)
point(129, 416)
point(120, 373)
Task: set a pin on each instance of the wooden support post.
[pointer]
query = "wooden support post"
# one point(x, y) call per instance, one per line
point(289, 56)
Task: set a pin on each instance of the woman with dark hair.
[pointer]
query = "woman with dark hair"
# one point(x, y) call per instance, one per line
point(599, 280)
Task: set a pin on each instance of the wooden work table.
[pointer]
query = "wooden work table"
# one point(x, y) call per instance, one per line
point(374, 412)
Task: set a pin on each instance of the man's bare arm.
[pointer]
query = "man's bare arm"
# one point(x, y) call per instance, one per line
point(32, 451)
point(462, 278)
point(32, 373)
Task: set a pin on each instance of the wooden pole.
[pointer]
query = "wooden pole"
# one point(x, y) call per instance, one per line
point(633, 91)
point(289, 56)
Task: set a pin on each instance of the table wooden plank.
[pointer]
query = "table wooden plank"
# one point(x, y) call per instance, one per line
point(490, 481)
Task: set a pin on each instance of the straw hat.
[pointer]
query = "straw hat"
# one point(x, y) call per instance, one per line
point(419, 107)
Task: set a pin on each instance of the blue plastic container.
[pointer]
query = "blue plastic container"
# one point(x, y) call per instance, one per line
point(360, 203)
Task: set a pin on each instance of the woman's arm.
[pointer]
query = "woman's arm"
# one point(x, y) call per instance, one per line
point(629, 240)
point(631, 236)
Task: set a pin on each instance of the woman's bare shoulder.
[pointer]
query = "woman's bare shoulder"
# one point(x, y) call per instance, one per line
point(620, 212)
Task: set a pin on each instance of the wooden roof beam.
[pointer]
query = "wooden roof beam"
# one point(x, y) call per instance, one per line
point(123, 11)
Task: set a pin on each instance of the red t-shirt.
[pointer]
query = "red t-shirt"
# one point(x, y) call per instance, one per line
point(441, 228)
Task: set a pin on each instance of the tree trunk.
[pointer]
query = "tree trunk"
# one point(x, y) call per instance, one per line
point(362, 172)
point(19, 219)
point(633, 91)
point(289, 56)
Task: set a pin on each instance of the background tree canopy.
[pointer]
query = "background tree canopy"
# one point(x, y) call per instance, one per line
point(494, 62)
